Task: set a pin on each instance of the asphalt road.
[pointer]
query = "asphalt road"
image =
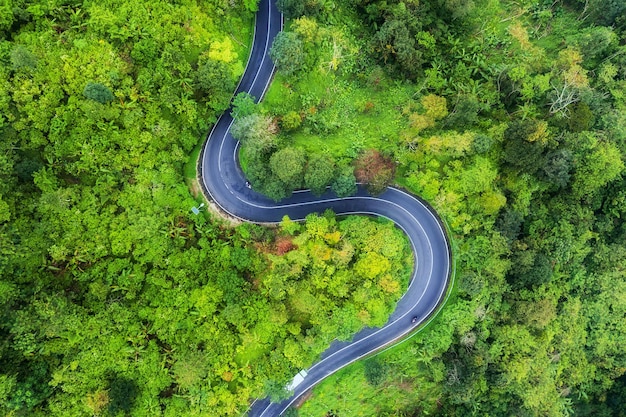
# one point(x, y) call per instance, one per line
point(224, 183)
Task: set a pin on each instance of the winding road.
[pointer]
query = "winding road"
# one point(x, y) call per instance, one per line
point(224, 183)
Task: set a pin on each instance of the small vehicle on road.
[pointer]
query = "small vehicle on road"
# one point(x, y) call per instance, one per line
point(414, 319)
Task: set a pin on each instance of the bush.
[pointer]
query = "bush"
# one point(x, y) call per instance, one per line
point(291, 8)
point(214, 79)
point(243, 105)
point(482, 144)
point(122, 394)
point(256, 133)
point(374, 371)
point(22, 58)
point(292, 120)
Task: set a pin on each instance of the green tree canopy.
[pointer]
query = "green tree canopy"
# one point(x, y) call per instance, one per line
point(291, 8)
point(320, 170)
point(256, 132)
point(344, 184)
point(98, 92)
point(287, 53)
point(288, 164)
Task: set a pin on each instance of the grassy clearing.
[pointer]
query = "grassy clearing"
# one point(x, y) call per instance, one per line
point(340, 117)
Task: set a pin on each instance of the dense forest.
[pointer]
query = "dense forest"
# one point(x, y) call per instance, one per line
point(115, 298)
point(509, 117)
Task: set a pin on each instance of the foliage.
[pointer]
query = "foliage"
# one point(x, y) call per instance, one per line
point(288, 165)
point(98, 92)
point(291, 8)
point(213, 79)
point(291, 120)
point(122, 393)
point(345, 183)
point(374, 371)
point(287, 53)
point(525, 163)
point(320, 170)
point(374, 170)
point(244, 105)
point(109, 286)
point(256, 132)
point(22, 58)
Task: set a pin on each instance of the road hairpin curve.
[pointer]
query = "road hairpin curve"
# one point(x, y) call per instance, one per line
point(224, 183)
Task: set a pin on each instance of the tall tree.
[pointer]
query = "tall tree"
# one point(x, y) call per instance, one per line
point(287, 53)
point(320, 170)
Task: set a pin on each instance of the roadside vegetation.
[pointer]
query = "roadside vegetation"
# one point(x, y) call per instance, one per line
point(510, 119)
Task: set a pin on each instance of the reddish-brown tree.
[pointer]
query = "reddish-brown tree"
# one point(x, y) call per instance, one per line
point(284, 245)
point(375, 170)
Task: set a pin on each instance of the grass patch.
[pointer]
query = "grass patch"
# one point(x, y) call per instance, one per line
point(190, 168)
point(340, 117)
point(243, 160)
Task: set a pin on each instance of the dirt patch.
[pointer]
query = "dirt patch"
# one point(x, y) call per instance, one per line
point(284, 244)
point(196, 190)
point(303, 398)
point(229, 220)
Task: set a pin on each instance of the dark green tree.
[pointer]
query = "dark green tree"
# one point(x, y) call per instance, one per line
point(291, 8)
point(244, 105)
point(465, 113)
point(482, 144)
point(344, 184)
point(509, 223)
point(274, 188)
point(98, 92)
point(288, 165)
point(608, 12)
point(374, 371)
point(214, 80)
point(529, 269)
point(558, 167)
point(395, 43)
point(581, 118)
point(320, 170)
point(122, 395)
point(31, 387)
point(519, 152)
point(287, 53)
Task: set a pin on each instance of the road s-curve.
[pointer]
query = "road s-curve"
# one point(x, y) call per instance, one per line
point(224, 183)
